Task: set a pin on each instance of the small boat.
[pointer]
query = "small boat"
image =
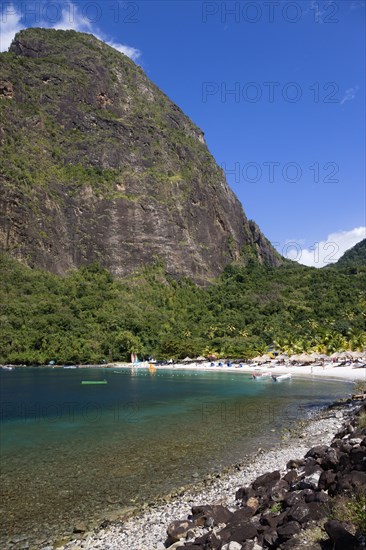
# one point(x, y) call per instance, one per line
point(256, 375)
point(279, 377)
point(90, 382)
point(71, 367)
point(5, 367)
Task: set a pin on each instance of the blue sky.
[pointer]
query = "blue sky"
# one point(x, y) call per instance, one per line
point(277, 87)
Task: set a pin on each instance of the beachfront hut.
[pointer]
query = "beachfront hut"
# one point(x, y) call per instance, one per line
point(357, 354)
point(318, 357)
point(265, 358)
point(305, 358)
point(345, 355)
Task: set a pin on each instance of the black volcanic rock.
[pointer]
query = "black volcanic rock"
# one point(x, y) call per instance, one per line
point(98, 164)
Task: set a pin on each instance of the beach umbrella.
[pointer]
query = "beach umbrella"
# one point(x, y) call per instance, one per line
point(282, 356)
point(187, 360)
point(294, 357)
point(200, 358)
point(257, 359)
point(335, 355)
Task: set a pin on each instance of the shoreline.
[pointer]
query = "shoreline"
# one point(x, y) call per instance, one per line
point(353, 372)
point(146, 528)
point(348, 372)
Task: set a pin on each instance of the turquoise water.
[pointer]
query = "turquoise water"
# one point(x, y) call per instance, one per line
point(73, 452)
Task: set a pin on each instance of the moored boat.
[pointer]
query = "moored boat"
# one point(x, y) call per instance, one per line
point(279, 377)
point(256, 375)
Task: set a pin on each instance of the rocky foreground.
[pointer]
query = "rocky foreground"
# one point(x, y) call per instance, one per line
point(316, 502)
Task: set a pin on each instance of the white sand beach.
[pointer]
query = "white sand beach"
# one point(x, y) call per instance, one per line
point(352, 372)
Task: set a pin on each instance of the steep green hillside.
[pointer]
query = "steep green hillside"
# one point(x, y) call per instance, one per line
point(352, 258)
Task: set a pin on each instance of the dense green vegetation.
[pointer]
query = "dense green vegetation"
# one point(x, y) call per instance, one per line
point(353, 257)
point(87, 316)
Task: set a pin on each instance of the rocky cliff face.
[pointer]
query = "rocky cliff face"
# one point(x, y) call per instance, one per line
point(96, 163)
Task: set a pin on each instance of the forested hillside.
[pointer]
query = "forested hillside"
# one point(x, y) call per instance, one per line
point(88, 316)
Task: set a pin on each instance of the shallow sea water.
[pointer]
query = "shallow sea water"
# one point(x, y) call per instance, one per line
point(72, 452)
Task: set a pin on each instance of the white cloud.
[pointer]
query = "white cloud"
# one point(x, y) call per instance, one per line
point(10, 24)
point(350, 94)
point(71, 18)
point(131, 52)
point(324, 252)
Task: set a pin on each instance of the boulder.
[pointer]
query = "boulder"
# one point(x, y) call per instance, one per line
point(331, 459)
point(272, 520)
point(317, 510)
point(293, 464)
point(208, 540)
point(344, 461)
point(311, 466)
point(326, 479)
point(238, 532)
point(350, 481)
point(270, 537)
point(318, 496)
point(299, 512)
point(291, 477)
point(242, 515)
point(179, 529)
point(266, 480)
point(317, 452)
point(294, 497)
point(340, 537)
point(215, 514)
point(355, 441)
point(253, 503)
point(303, 512)
point(279, 490)
point(310, 481)
point(244, 493)
point(358, 455)
point(288, 530)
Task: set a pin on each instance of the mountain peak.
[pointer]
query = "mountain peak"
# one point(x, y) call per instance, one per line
point(99, 164)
